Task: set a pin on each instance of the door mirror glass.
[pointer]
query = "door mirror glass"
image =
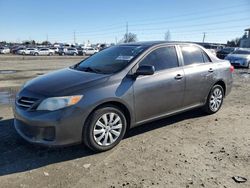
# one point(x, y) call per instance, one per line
point(145, 70)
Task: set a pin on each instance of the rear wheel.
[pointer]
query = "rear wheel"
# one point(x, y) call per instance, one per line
point(214, 100)
point(104, 129)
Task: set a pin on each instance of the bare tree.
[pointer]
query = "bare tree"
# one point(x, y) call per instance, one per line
point(234, 42)
point(167, 36)
point(130, 37)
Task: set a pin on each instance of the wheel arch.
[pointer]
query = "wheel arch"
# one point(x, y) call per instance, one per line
point(222, 84)
point(119, 105)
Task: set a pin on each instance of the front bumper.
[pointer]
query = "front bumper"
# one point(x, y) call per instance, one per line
point(56, 128)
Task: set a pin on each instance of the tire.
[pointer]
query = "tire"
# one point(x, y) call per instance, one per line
point(84, 54)
point(35, 54)
point(214, 100)
point(74, 54)
point(50, 54)
point(96, 122)
point(63, 54)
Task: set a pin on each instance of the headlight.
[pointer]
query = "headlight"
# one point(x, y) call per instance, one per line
point(56, 103)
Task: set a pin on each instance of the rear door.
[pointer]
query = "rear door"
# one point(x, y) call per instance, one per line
point(156, 95)
point(199, 73)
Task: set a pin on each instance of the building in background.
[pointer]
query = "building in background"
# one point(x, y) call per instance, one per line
point(245, 40)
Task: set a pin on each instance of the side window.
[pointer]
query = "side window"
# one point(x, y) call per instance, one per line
point(162, 58)
point(192, 55)
point(205, 57)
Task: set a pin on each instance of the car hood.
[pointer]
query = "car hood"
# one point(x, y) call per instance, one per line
point(63, 82)
point(238, 56)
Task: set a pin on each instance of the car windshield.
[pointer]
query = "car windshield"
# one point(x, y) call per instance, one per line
point(110, 60)
point(241, 52)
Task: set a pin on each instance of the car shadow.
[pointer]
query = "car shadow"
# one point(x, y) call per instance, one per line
point(17, 155)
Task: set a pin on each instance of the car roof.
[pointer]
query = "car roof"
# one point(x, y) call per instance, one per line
point(153, 43)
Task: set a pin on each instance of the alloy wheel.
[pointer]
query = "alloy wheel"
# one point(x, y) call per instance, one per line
point(216, 99)
point(107, 129)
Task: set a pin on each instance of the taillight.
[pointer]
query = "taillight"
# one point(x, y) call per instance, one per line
point(232, 68)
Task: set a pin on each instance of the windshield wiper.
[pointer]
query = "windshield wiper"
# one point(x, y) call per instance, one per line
point(88, 69)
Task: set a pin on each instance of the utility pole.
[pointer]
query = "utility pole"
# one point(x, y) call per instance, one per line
point(126, 40)
point(204, 36)
point(74, 37)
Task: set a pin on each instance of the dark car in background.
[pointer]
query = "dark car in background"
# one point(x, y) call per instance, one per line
point(97, 100)
point(224, 52)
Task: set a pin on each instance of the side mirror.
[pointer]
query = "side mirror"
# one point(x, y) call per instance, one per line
point(145, 70)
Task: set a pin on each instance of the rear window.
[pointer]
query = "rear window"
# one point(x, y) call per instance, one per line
point(193, 55)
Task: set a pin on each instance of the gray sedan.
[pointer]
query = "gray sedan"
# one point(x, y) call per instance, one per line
point(240, 58)
point(97, 100)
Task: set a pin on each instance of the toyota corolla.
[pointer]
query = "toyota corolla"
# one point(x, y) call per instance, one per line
point(97, 100)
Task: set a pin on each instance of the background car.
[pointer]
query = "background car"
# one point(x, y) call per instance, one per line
point(55, 49)
point(16, 49)
point(27, 51)
point(89, 51)
point(224, 52)
point(68, 51)
point(80, 50)
point(4, 50)
point(240, 57)
point(42, 51)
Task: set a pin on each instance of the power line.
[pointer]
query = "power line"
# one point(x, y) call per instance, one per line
point(166, 20)
point(195, 12)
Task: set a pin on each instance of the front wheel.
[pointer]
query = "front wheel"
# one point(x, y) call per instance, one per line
point(214, 100)
point(104, 129)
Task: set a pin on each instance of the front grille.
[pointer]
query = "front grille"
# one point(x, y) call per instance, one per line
point(26, 102)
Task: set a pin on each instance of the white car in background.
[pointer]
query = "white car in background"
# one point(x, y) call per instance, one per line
point(43, 51)
point(27, 51)
point(55, 49)
point(4, 50)
point(89, 51)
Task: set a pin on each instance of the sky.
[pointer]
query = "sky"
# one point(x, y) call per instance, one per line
point(100, 21)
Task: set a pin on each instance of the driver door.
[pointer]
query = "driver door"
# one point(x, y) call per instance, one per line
point(163, 92)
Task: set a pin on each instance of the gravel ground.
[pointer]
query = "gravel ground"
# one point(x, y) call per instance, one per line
point(186, 150)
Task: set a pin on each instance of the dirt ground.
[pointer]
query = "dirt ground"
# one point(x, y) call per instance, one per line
point(187, 150)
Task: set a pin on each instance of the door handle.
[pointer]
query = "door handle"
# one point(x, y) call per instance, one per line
point(178, 77)
point(210, 70)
